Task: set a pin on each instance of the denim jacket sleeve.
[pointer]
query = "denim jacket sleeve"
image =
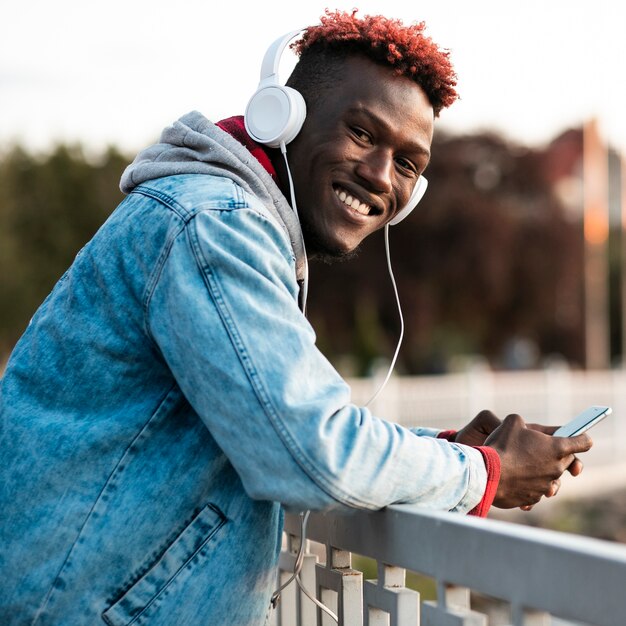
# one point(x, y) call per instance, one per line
point(224, 314)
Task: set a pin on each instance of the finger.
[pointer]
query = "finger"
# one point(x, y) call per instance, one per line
point(575, 467)
point(547, 430)
point(555, 485)
point(514, 421)
point(488, 421)
point(527, 507)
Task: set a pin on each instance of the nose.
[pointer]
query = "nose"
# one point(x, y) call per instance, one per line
point(376, 169)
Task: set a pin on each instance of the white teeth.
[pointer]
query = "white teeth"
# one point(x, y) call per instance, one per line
point(353, 203)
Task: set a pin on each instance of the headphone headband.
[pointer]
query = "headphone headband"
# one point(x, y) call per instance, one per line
point(271, 60)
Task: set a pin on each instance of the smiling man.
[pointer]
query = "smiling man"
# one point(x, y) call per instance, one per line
point(167, 400)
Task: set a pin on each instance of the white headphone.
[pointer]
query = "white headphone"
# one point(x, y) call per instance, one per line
point(275, 114)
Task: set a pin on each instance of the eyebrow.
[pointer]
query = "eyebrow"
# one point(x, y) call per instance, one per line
point(376, 119)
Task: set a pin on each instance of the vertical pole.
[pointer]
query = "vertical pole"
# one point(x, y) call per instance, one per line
point(622, 197)
point(596, 230)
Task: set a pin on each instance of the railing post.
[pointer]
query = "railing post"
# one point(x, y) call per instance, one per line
point(287, 611)
point(294, 608)
point(340, 588)
point(387, 600)
point(306, 609)
point(451, 609)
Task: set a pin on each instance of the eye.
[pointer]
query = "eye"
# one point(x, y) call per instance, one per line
point(361, 135)
point(406, 165)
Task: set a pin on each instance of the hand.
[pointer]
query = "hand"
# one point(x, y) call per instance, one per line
point(576, 467)
point(532, 461)
point(475, 433)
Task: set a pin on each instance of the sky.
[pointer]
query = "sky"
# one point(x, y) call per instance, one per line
point(117, 72)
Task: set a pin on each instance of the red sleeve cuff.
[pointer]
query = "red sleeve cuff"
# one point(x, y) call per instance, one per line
point(447, 434)
point(492, 463)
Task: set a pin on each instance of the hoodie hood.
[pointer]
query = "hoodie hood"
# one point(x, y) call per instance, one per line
point(194, 145)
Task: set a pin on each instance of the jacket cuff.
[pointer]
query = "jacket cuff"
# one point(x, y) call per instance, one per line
point(492, 464)
point(447, 434)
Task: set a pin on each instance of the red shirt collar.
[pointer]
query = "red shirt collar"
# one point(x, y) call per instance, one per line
point(235, 127)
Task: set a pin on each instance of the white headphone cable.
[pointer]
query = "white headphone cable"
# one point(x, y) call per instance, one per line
point(395, 291)
point(304, 517)
point(299, 559)
point(305, 286)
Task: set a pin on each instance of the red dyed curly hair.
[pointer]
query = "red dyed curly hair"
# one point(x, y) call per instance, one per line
point(388, 41)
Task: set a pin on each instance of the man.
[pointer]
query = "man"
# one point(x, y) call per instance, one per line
point(167, 400)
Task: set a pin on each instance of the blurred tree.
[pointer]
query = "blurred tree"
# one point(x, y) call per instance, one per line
point(49, 208)
point(487, 260)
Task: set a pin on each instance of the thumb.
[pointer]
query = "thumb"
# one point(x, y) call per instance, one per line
point(579, 443)
point(546, 430)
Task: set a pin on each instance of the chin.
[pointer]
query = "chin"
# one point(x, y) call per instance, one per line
point(322, 249)
point(334, 257)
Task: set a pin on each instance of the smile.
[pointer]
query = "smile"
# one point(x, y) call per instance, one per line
point(352, 202)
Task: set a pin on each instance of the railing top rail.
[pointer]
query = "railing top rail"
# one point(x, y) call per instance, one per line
point(570, 576)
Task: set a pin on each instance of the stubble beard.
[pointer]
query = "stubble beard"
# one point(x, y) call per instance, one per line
point(320, 250)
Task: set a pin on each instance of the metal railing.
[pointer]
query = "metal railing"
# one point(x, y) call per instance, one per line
point(485, 572)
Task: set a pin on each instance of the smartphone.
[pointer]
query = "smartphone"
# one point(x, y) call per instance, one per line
point(583, 422)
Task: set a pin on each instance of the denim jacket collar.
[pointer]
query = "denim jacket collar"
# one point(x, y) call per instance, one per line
point(194, 145)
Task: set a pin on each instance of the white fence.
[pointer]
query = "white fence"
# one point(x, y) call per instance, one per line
point(550, 395)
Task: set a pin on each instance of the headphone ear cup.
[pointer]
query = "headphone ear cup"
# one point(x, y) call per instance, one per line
point(275, 114)
point(418, 192)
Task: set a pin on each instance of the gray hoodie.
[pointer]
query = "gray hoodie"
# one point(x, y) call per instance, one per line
point(194, 145)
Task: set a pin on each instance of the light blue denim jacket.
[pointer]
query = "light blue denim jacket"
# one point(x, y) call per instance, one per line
point(167, 400)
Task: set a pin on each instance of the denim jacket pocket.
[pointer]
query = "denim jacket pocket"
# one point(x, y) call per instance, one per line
point(146, 591)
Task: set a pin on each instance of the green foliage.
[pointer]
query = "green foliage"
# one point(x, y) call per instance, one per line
point(49, 208)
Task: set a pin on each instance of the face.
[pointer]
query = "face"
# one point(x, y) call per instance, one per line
point(358, 156)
